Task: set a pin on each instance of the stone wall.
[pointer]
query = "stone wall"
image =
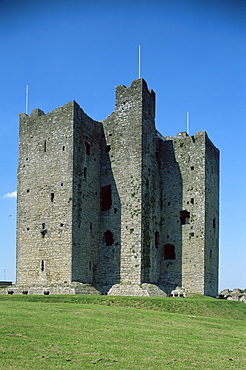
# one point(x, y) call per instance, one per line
point(115, 202)
point(190, 211)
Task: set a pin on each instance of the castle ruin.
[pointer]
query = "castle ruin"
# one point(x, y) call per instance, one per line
point(115, 205)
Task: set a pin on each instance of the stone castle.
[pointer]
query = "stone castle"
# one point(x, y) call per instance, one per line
point(113, 205)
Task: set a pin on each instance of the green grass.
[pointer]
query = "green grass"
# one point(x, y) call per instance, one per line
point(81, 332)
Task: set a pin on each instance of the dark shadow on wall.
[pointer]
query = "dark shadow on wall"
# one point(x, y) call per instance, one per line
point(110, 221)
point(171, 228)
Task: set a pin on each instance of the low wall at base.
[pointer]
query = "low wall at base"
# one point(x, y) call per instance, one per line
point(144, 290)
point(73, 288)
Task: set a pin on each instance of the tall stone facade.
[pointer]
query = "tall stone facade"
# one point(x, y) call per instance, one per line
point(114, 203)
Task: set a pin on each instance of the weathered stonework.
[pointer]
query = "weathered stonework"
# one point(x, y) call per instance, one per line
point(114, 203)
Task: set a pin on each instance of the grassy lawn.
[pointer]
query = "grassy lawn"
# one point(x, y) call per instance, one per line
point(82, 332)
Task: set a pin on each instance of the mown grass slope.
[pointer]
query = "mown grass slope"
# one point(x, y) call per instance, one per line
point(80, 332)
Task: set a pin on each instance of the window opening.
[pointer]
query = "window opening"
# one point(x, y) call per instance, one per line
point(192, 200)
point(169, 252)
point(106, 197)
point(61, 183)
point(157, 239)
point(214, 223)
point(52, 197)
point(43, 231)
point(90, 226)
point(210, 253)
point(85, 172)
point(108, 237)
point(192, 168)
point(90, 265)
point(184, 217)
point(192, 234)
point(107, 148)
point(27, 190)
point(63, 148)
point(44, 145)
point(42, 265)
point(61, 225)
point(87, 148)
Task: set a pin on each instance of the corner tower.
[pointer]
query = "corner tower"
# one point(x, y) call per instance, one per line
point(59, 153)
point(129, 134)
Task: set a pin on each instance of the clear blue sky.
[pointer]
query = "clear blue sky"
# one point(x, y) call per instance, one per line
point(193, 57)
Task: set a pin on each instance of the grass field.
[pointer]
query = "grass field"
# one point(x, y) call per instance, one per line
point(82, 332)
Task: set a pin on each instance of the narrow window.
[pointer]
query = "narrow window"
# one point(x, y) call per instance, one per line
point(85, 172)
point(169, 252)
point(107, 148)
point(210, 253)
point(184, 217)
point(52, 197)
point(214, 223)
point(90, 265)
point(63, 148)
point(44, 145)
point(192, 200)
point(42, 265)
point(90, 226)
point(61, 183)
point(87, 148)
point(106, 198)
point(157, 239)
point(43, 231)
point(108, 237)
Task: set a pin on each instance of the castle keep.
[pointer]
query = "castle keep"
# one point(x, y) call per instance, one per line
point(113, 203)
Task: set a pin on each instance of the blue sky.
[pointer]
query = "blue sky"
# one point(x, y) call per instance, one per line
point(193, 55)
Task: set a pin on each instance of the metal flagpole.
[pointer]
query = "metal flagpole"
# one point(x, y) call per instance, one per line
point(26, 99)
point(187, 122)
point(139, 60)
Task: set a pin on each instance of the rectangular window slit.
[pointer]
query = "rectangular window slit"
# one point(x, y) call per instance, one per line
point(87, 148)
point(42, 265)
point(106, 198)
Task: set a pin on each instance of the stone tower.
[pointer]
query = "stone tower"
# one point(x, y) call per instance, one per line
point(114, 203)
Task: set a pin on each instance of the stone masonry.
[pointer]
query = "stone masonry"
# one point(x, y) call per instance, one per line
point(114, 204)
